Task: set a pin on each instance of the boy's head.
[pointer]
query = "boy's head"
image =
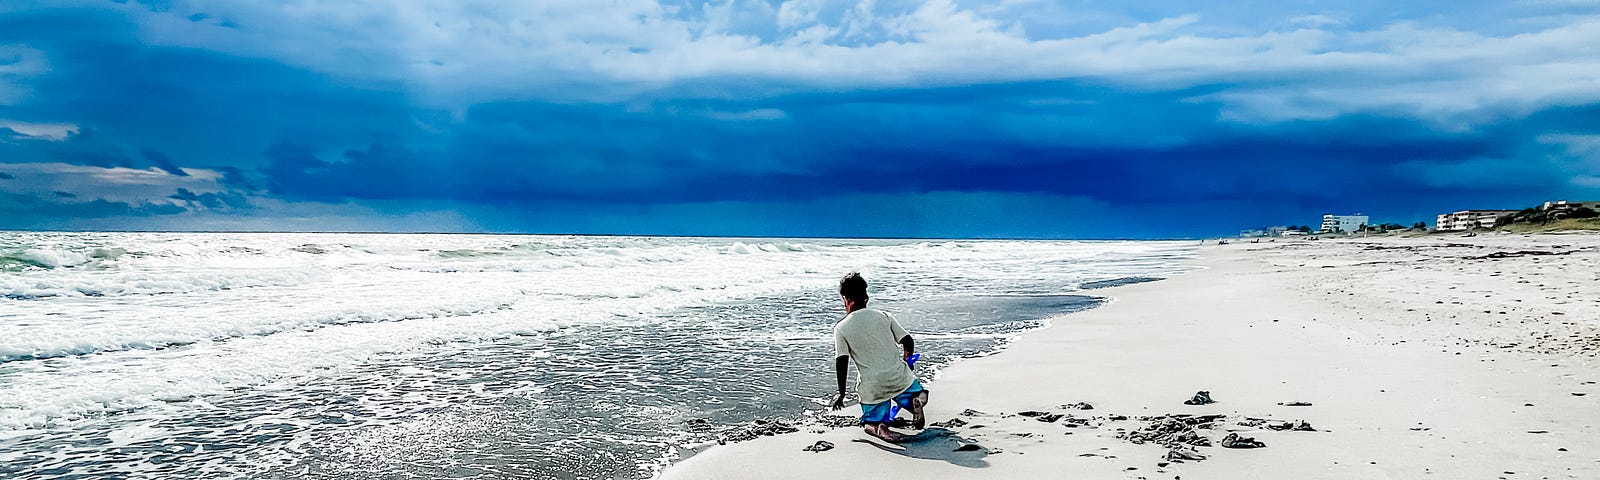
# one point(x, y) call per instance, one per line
point(854, 290)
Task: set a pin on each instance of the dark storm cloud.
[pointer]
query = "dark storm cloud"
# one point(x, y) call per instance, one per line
point(28, 211)
point(212, 200)
point(981, 139)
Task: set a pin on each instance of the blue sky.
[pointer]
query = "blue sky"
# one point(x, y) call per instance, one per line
point(1002, 118)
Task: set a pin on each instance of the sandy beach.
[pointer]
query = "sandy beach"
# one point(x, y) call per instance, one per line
point(1424, 357)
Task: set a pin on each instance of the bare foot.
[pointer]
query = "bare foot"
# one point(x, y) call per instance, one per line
point(883, 432)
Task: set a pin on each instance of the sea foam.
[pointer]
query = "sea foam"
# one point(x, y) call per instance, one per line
point(116, 349)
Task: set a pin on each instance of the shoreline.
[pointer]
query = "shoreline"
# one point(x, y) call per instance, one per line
point(1333, 323)
point(812, 421)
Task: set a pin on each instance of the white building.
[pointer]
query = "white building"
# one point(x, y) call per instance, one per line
point(1469, 219)
point(1342, 223)
point(1563, 205)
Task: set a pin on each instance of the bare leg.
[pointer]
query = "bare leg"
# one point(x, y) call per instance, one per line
point(882, 431)
point(917, 402)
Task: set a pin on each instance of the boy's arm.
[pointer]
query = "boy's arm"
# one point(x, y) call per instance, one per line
point(903, 336)
point(841, 366)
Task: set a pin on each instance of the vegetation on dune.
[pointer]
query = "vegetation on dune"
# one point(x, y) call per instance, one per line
point(1389, 227)
point(1565, 224)
point(1552, 220)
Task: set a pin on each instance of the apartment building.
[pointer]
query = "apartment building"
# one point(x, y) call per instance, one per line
point(1342, 223)
point(1469, 219)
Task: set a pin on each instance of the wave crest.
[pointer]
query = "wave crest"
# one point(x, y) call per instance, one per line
point(112, 284)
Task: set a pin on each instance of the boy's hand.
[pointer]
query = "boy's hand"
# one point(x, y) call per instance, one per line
point(838, 402)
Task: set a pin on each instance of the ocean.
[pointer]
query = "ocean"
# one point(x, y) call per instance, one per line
point(351, 356)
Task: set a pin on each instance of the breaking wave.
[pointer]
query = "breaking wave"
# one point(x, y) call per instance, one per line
point(111, 284)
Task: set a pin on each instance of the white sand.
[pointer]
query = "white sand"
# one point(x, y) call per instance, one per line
point(1402, 386)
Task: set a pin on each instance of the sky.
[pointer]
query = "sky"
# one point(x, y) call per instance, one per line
point(798, 118)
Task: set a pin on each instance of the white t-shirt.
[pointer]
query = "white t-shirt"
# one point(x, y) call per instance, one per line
point(872, 340)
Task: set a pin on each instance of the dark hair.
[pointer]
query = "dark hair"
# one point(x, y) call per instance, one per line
point(854, 287)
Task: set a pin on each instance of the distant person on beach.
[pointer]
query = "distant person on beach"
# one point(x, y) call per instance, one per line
point(880, 349)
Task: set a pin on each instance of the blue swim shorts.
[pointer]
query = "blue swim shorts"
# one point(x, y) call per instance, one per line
point(885, 411)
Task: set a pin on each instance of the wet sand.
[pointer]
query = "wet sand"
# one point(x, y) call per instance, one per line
point(1426, 357)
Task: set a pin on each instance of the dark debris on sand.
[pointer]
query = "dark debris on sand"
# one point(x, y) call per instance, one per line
point(1181, 453)
point(1073, 422)
point(1297, 425)
point(951, 423)
point(758, 428)
point(1519, 253)
point(1253, 422)
point(1046, 417)
point(820, 446)
point(1200, 398)
point(1173, 430)
point(1183, 434)
point(1233, 440)
point(831, 421)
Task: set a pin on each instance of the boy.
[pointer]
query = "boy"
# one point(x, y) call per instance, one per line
point(870, 337)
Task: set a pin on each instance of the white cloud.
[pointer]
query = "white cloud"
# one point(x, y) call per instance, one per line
point(79, 195)
point(451, 54)
point(797, 13)
point(41, 131)
point(118, 184)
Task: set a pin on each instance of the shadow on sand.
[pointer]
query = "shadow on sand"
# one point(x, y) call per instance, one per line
point(937, 444)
